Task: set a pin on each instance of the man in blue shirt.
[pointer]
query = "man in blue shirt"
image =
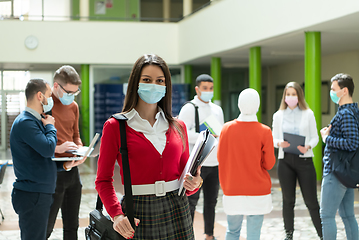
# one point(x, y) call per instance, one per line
point(342, 133)
point(33, 141)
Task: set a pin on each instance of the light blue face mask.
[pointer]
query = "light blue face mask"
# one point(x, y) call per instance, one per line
point(206, 96)
point(49, 105)
point(334, 97)
point(151, 93)
point(67, 99)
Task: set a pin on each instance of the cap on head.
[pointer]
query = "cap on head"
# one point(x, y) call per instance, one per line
point(248, 101)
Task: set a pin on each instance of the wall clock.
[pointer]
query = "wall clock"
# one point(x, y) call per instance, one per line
point(31, 42)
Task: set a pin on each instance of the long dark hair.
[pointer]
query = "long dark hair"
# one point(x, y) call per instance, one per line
point(165, 103)
point(301, 100)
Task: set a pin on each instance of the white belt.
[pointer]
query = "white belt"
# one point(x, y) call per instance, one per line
point(160, 188)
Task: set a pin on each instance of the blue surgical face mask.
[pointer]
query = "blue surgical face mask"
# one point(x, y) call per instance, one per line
point(151, 93)
point(334, 97)
point(67, 99)
point(206, 96)
point(49, 105)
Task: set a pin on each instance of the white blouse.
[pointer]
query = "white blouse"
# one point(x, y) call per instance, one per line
point(292, 120)
point(156, 134)
point(307, 128)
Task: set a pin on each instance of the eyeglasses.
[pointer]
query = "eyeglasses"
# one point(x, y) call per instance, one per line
point(71, 93)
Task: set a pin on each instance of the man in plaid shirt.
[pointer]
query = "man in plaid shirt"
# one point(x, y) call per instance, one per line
point(342, 133)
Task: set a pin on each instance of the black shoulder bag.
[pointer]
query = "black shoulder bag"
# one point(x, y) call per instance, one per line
point(345, 166)
point(101, 227)
point(196, 116)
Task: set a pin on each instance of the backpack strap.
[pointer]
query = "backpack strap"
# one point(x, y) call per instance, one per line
point(196, 116)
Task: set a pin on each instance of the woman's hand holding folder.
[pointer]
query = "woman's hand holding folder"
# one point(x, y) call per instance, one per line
point(192, 182)
point(283, 144)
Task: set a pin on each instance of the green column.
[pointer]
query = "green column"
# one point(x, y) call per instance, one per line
point(255, 74)
point(189, 80)
point(85, 103)
point(188, 74)
point(75, 10)
point(312, 89)
point(217, 78)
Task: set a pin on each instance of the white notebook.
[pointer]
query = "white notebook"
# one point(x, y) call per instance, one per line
point(204, 145)
point(212, 124)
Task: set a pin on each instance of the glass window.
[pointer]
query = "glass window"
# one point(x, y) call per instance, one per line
point(21, 7)
point(15, 80)
point(176, 75)
point(5, 9)
point(110, 74)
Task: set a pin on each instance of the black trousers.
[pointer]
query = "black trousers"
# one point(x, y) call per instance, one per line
point(291, 168)
point(33, 209)
point(210, 189)
point(67, 196)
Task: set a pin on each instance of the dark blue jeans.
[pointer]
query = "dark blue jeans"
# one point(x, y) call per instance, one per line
point(67, 196)
point(33, 209)
point(210, 189)
point(290, 169)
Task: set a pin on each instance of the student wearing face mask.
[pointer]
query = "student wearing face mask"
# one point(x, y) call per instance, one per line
point(209, 170)
point(157, 152)
point(342, 134)
point(295, 117)
point(33, 141)
point(68, 186)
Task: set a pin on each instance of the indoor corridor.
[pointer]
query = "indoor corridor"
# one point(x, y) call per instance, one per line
point(272, 226)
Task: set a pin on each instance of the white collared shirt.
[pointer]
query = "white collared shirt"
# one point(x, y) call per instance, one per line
point(187, 115)
point(292, 120)
point(156, 134)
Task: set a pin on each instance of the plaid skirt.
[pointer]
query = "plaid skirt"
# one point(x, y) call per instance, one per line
point(166, 217)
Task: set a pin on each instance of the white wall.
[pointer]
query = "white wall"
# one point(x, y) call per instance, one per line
point(46, 75)
point(78, 42)
point(222, 26)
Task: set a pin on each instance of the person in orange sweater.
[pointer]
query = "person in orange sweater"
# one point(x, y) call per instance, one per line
point(245, 154)
point(68, 191)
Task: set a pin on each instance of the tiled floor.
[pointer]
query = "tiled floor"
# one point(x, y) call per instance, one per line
point(272, 226)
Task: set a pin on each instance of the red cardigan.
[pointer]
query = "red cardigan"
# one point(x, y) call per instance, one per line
point(147, 165)
point(245, 154)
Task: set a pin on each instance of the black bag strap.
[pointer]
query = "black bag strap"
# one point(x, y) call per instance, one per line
point(196, 116)
point(126, 172)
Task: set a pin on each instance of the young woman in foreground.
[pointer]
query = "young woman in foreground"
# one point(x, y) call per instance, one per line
point(157, 151)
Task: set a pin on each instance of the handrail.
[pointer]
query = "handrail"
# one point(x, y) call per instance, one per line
point(44, 17)
point(89, 18)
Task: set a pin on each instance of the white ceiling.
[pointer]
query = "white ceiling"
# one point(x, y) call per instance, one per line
point(339, 35)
